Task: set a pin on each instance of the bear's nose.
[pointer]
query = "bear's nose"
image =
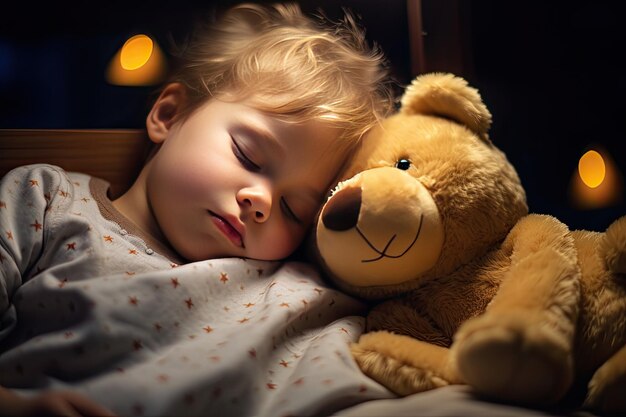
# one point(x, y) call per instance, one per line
point(342, 210)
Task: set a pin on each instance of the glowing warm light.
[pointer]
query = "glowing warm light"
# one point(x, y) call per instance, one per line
point(136, 52)
point(598, 181)
point(592, 169)
point(139, 62)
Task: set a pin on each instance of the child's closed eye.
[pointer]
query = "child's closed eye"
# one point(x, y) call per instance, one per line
point(284, 206)
point(243, 158)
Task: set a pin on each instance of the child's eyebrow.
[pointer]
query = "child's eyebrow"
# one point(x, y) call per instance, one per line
point(266, 138)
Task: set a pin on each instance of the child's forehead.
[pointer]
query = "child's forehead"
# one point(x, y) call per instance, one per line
point(312, 138)
point(284, 107)
point(277, 134)
point(264, 119)
point(292, 105)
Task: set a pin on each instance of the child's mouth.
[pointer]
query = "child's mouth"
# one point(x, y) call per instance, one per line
point(227, 229)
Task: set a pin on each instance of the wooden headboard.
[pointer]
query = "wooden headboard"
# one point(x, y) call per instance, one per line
point(115, 155)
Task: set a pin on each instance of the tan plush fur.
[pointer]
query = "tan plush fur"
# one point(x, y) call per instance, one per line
point(431, 224)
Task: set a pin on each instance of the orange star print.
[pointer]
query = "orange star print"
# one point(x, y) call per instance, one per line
point(38, 226)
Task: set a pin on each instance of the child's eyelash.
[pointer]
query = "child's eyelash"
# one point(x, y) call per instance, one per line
point(289, 211)
point(243, 158)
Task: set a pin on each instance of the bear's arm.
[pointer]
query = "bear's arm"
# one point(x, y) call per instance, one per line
point(530, 323)
point(544, 274)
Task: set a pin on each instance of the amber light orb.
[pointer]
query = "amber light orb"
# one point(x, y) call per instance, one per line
point(597, 182)
point(139, 62)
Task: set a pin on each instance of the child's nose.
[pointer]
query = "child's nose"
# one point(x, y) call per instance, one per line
point(257, 201)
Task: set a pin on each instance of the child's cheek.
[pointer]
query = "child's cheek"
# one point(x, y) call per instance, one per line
point(284, 241)
point(193, 174)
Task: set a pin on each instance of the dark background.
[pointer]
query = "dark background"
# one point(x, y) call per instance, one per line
point(550, 72)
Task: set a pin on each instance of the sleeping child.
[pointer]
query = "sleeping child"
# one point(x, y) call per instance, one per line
point(168, 299)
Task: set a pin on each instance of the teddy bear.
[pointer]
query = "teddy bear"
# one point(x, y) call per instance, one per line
point(431, 225)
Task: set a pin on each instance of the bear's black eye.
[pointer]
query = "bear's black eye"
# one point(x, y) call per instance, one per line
point(403, 164)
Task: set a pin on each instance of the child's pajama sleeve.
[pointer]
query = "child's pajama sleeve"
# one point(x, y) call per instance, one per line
point(26, 194)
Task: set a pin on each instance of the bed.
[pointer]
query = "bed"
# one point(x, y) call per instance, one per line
point(227, 337)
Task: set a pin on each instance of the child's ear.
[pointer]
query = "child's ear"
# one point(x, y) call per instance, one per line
point(165, 111)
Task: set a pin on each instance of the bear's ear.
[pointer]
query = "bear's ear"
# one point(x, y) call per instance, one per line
point(445, 95)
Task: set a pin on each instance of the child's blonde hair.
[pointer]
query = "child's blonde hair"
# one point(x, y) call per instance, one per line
point(290, 65)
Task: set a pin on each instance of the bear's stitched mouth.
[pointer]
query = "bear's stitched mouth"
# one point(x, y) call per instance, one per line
point(383, 253)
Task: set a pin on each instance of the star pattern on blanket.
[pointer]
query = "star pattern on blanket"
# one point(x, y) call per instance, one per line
point(277, 383)
point(36, 225)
